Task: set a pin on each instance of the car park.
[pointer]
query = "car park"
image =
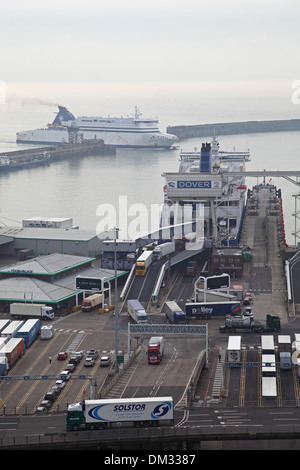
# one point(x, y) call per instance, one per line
point(61, 356)
point(89, 362)
point(105, 361)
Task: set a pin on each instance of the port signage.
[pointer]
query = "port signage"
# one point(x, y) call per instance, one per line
point(88, 283)
point(218, 282)
point(196, 184)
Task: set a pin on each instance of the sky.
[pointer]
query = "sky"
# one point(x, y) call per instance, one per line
point(158, 41)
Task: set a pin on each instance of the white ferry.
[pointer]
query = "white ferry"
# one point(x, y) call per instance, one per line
point(120, 132)
point(208, 190)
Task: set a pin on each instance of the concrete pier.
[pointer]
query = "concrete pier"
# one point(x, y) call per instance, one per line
point(234, 128)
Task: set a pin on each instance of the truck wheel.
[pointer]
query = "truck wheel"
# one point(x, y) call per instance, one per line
point(75, 427)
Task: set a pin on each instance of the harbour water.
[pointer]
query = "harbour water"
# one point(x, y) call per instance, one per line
point(78, 187)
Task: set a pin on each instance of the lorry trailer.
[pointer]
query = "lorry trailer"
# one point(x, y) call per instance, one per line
point(91, 302)
point(12, 329)
point(29, 331)
point(3, 324)
point(207, 310)
point(174, 313)
point(163, 250)
point(155, 349)
point(12, 350)
point(136, 311)
point(99, 414)
point(244, 324)
point(30, 310)
point(3, 366)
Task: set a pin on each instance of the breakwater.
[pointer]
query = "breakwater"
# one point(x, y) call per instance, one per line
point(233, 128)
point(26, 157)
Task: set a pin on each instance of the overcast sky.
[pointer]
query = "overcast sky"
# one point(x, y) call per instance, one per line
point(157, 40)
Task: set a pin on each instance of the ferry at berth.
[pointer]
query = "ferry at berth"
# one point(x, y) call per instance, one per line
point(205, 193)
point(128, 132)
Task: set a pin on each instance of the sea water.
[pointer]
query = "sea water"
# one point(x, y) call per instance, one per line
point(79, 188)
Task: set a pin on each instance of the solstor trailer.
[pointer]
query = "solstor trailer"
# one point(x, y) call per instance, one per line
point(99, 414)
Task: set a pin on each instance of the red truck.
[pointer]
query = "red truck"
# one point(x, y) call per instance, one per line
point(155, 349)
point(191, 268)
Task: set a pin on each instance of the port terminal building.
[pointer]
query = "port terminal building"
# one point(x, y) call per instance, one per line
point(49, 279)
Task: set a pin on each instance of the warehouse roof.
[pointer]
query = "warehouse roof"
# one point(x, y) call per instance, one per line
point(48, 233)
point(33, 290)
point(48, 264)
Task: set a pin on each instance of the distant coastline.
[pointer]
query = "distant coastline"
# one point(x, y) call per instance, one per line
point(233, 128)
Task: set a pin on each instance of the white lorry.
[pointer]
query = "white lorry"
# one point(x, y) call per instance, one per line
point(30, 310)
point(99, 414)
point(136, 311)
point(163, 250)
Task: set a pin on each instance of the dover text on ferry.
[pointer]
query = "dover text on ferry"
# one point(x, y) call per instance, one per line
point(118, 131)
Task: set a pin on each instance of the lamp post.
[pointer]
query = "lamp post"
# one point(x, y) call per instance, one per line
point(116, 306)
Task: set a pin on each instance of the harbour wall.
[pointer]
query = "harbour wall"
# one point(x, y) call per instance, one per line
point(233, 128)
point(62, 151)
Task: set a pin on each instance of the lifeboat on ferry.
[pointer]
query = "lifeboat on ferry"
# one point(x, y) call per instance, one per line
point(241, 186)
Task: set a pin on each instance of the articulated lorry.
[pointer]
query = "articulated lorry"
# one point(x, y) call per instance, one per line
point(91, 302)
point(155, 349)
point(136, 311)
point(174, 313)
point(163, 250)
point(204, 310)
point(99, 414)
point(244, 324)
point(143, 263)
point(27, 310)
point(191, 268)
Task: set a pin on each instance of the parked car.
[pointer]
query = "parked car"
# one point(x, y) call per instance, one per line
point(105, 361)
point(74, 360)
point(78, 354)
point(60, 384)
point(70, 367)
point(44, 406)
point(65, 375)
point(247, 299)
point(93, 353)
point(51, 396)
point(89, 362)
point(55, 389)
point(61, 356)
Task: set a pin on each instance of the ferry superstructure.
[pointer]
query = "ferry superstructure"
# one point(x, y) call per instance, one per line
point(118, 131)
point(205, 193)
